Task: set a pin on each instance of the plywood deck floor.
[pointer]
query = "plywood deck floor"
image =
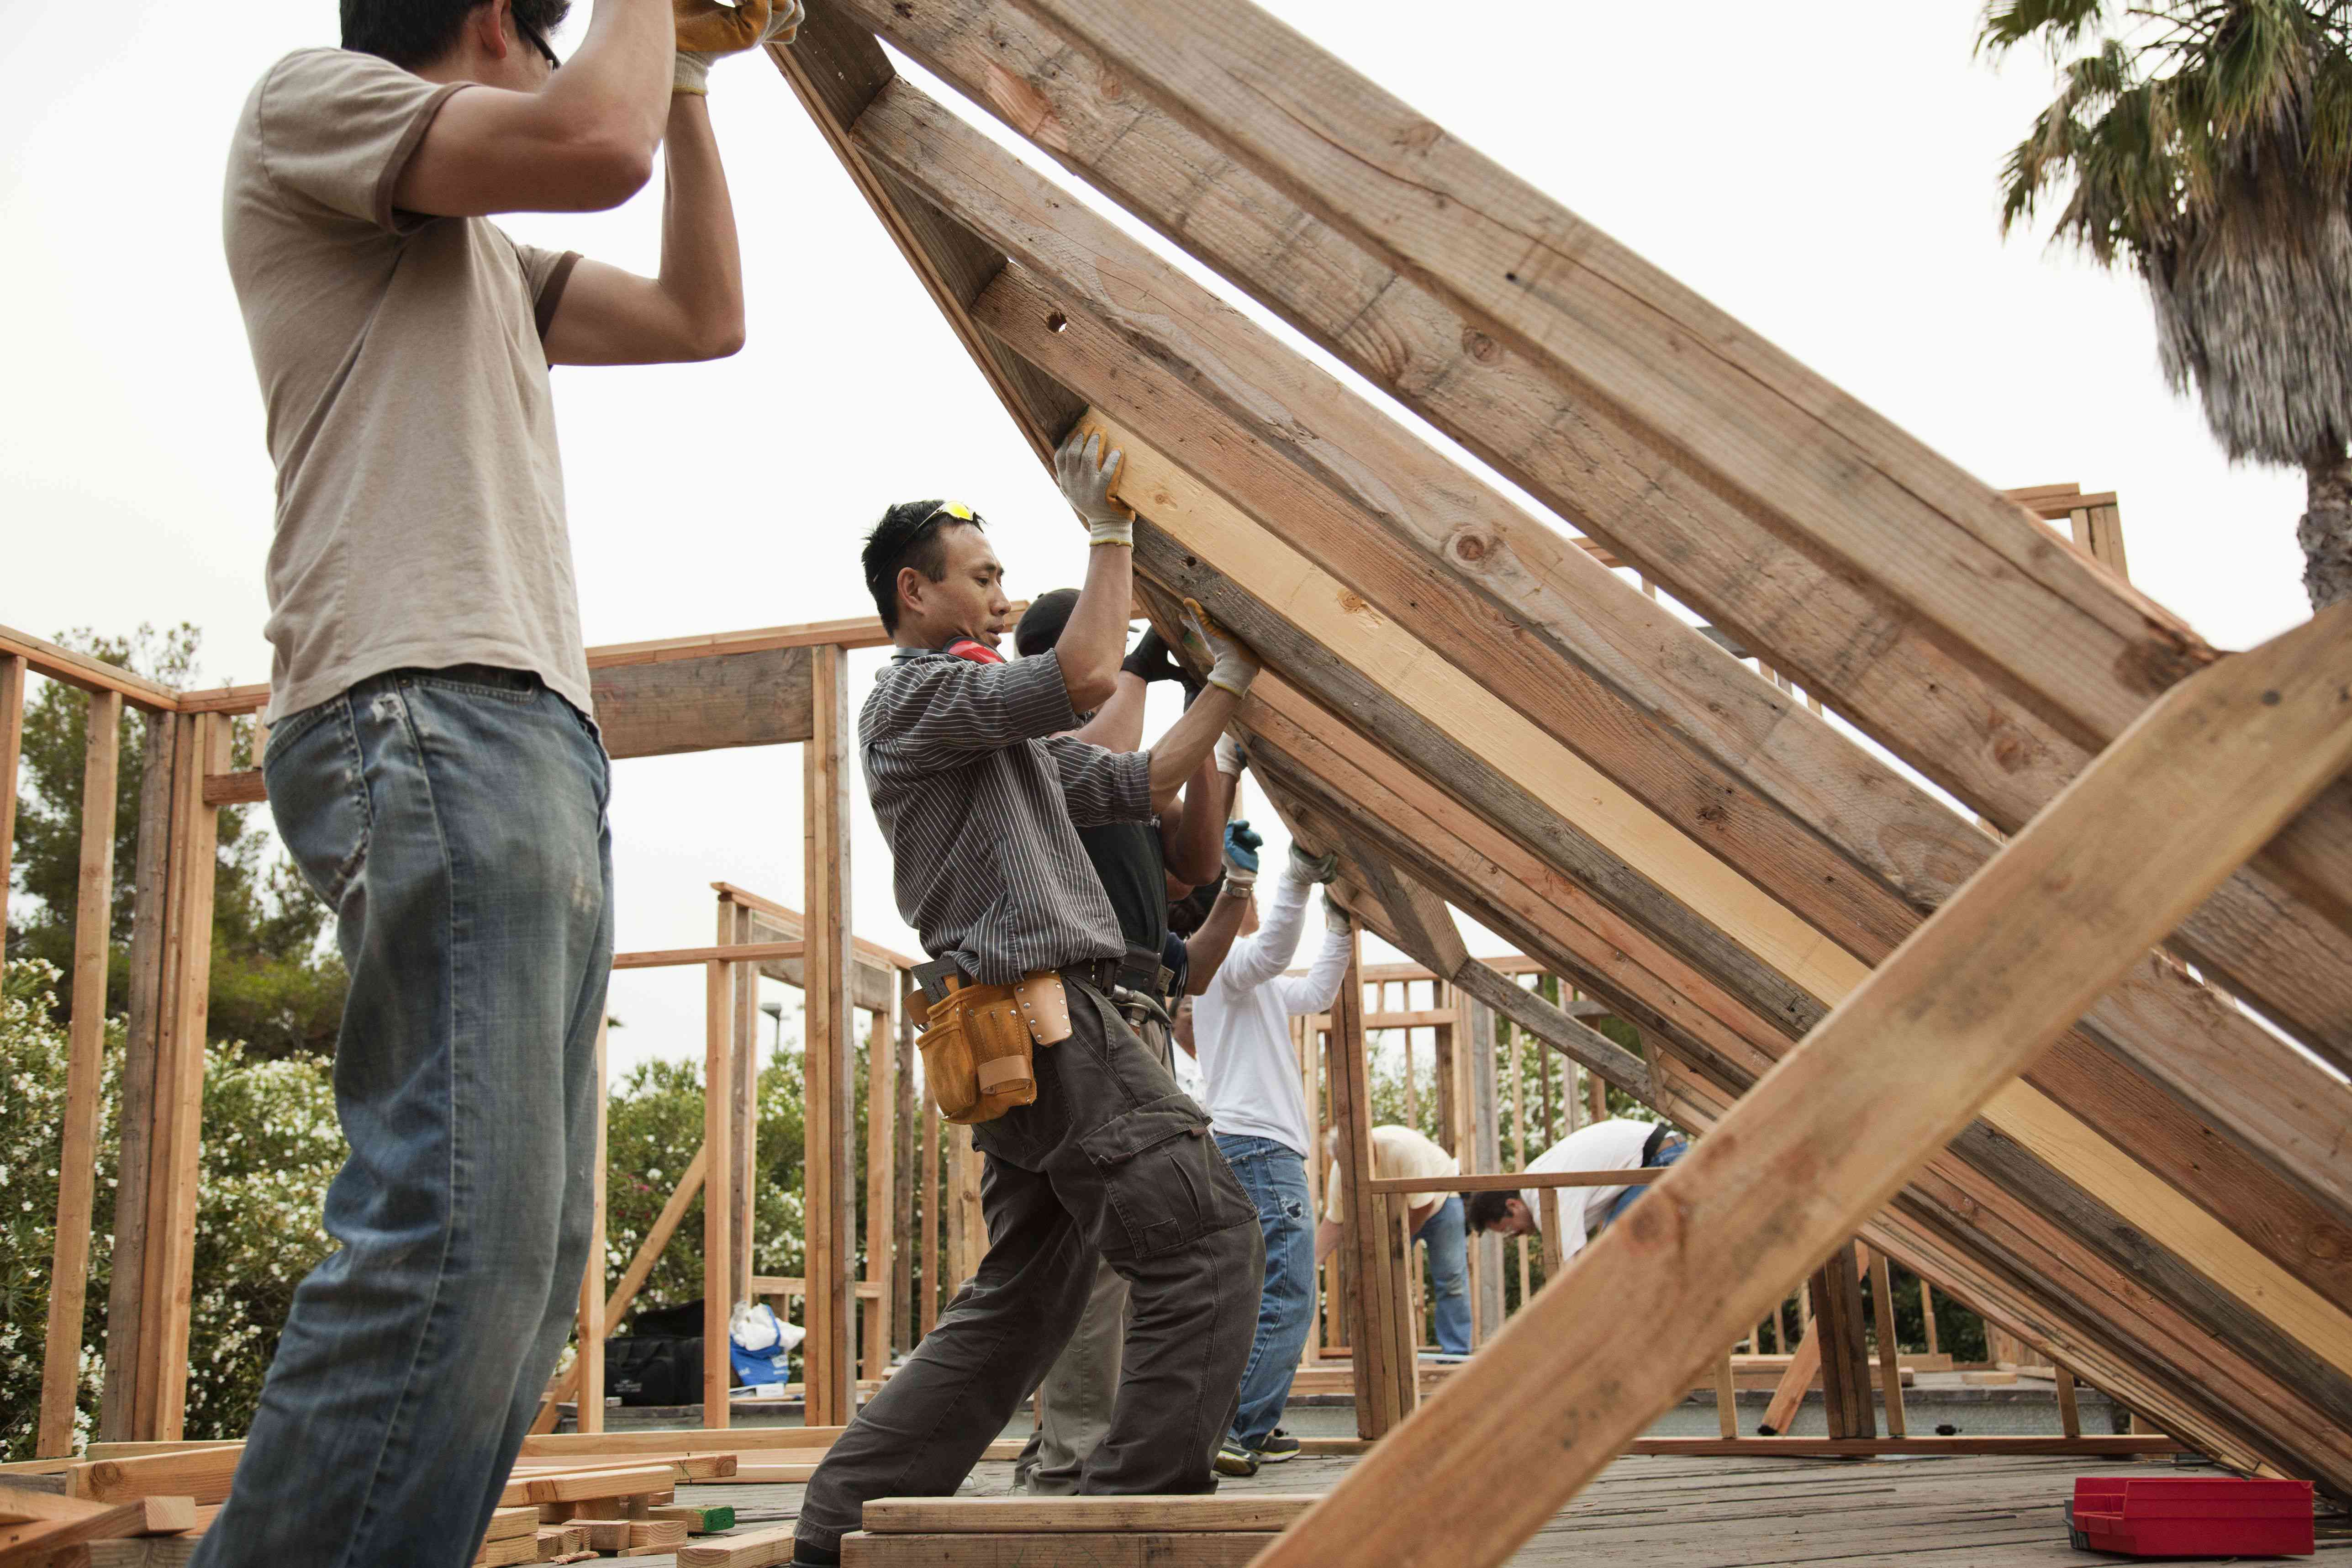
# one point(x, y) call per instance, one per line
point(1677, 1513)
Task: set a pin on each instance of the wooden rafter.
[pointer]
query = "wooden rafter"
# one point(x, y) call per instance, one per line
point(1873, 659)
point(1815, 1151)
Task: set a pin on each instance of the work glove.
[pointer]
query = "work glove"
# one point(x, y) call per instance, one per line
point(1087, 477)
point(1241, 843)
point(1231, 758)
point(706, 30)
point(1151, 660)
point(1231, 663)
point(1306, 867)
point(1336, 919)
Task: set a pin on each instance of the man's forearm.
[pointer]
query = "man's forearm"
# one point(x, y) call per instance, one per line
point(702, 263)
point(1094, 639)
point(1206, 948)
point(1176, 753)
point(1117, 724)
point(1194, 849)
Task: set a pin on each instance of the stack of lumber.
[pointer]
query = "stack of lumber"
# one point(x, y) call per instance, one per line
point(1208, 1531)
point(48, 1528)
point(148, 1509)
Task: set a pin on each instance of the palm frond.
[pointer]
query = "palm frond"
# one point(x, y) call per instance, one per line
point(2062, 23)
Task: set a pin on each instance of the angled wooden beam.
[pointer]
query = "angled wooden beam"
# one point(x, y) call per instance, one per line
point(1420, 923)
point(2056, 1286)
point(951, 10)
point(1378, 675)
point(1526, 618)
point(1938, 550)
point(1821, 1145)
point(1574, 452)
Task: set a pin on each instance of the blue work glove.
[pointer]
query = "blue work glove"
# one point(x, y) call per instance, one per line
point(1241, 843)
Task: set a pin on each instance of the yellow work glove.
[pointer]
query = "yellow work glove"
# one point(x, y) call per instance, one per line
point(707, 29)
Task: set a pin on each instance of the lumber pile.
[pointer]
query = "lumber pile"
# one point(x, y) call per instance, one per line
point(1204, 1531)
point(147, 1511)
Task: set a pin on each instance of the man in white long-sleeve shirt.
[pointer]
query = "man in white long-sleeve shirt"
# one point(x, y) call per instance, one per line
point(1240, 1031)
point(1618, 1145)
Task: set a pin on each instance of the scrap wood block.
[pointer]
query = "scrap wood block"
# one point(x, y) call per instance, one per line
point(204, 1474)
point(560, 1541)
point(506, 1523)
point(1083, 1515)
point(73, 1523)
point(603, 1534)
point(520, 1549)
point(145, 1516)
point(574, 1486)
point(662, 1533)
point(143, 1552)
point(699, 1519)
point(760, 1549)
point(1090, 1548)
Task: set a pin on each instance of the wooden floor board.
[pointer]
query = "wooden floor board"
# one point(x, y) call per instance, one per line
point(1688, 1511)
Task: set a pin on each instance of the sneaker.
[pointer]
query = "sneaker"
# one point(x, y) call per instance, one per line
point(1279, 1446)
point(1235, 1459)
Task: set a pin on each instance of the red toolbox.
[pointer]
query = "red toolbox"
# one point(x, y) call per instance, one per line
point(2197, 1517)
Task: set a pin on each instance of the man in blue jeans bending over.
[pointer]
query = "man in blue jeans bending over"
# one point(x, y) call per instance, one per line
point(431, 767)
point(1240, 1031)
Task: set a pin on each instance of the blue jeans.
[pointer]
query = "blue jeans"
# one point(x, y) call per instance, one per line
point(1275, 1176)
point(455, 822)
point(1449, 1275)
point(1624, 1200)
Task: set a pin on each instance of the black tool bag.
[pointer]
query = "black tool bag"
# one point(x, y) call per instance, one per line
point(648, 1370)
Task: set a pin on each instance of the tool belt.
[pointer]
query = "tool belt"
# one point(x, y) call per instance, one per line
point(979, 1044)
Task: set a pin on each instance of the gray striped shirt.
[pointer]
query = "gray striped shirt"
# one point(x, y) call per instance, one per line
point(982, 801)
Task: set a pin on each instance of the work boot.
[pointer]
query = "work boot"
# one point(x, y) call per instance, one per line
point(1236, 1458)
point(1278, 1446)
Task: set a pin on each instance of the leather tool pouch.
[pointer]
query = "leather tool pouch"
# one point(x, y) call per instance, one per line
point(979, 1046)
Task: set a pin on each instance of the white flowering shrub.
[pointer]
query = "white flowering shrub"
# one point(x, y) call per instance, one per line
point(270, 1146)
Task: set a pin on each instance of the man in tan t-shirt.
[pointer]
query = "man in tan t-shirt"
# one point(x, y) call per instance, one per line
point(433, 767)
point(1435, 1218)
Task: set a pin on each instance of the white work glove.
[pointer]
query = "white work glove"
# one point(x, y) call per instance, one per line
point(1337, 921)
point(1306, 867)
point(692, 72)
point(1230, 759)
point(1086, 476)
point(1231, 663)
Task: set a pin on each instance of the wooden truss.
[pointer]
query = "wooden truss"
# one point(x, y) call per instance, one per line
point(1479, 712)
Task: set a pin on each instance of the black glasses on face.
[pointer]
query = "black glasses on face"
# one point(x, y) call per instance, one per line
point(531, 36)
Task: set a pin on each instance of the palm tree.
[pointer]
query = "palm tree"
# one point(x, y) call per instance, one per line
point(2208, 144)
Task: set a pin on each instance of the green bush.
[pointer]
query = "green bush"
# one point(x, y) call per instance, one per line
point(270, 1146)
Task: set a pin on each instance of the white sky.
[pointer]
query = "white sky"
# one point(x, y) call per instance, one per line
point(1826, 176)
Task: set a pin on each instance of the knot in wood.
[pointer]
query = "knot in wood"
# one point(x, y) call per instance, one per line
point(1479, 346)
point(1470, 546)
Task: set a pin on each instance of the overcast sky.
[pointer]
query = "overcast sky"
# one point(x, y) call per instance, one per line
point(1825, 172)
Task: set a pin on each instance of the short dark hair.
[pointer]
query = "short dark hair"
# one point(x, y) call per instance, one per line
point(1486, 1210)
point(1042, 623)
point(908, 535)
point(412, 33)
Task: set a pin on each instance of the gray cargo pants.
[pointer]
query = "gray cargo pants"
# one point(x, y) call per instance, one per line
point(1112, 1161)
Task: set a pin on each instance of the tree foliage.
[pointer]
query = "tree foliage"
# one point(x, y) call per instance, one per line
point(273, 986)
point(270, 1146)
point(2208, 146)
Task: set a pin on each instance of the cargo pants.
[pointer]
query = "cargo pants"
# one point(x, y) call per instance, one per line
point(1111, 1161)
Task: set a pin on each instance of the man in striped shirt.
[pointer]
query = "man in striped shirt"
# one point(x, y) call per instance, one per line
point(982, 795)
